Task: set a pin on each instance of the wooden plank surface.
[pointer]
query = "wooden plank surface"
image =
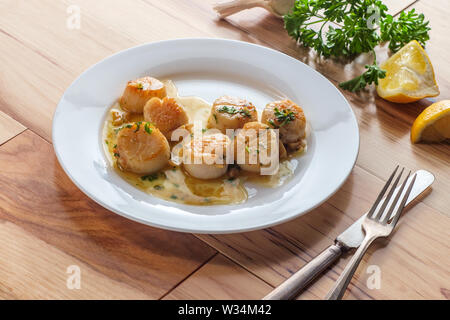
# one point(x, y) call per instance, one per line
point(9, 128)
point(416, 250)
point(222, 279)
point(32, 269)
point(41, 200)
point(46, 223)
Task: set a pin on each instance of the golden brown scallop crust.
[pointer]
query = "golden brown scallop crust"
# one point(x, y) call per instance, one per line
point(231, 113)
point(252, 150)
point(139, 91)
point(211, 151)
point(141, 148)
point(289, 118)
point(166, 114)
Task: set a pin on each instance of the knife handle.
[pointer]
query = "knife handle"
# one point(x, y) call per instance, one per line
point(292, 286)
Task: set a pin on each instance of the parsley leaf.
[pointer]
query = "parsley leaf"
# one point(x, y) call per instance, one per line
point(407, 27)
point(373, 73)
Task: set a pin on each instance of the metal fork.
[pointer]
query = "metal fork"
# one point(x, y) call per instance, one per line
point(376, 225)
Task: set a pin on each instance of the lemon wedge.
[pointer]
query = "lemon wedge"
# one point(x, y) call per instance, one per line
point(433, 124)
point(409, 75)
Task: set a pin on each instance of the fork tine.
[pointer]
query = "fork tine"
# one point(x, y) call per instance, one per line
point(388, 197)
point(394, 203)
point(402, 204)
point(380, 196)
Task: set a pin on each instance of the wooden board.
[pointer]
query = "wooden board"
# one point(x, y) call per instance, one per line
point(47, 224)
point(9, 128)
point(222, 279)
point(274, 254)
point(37, 196)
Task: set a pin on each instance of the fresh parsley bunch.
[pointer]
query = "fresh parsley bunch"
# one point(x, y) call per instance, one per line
point(357, 31)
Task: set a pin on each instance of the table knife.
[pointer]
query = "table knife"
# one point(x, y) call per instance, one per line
point(351, 238)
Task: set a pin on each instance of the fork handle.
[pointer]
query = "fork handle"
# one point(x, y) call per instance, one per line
point(292, 286)
point(341, 284)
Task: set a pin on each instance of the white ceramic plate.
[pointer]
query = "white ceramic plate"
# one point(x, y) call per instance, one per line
point(208, 68)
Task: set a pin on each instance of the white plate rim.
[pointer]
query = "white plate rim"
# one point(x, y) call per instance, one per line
point(200, 229)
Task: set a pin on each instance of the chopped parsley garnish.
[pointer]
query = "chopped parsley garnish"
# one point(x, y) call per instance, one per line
point(245, 112)
point(233, 110)
point(247, 149)
point(140, 86)
point(215, 118)
point(150, 177)
point(173, 197)
point(107, 142)
point(147, 128)
point(117, 155)
point(158, 187)
point(138, 126)
point(283, 117)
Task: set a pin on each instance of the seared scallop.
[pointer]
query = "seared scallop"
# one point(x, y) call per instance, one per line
point(289, 118)
point(166, 114)
point(257, 146)
point(205, 157)
point(231, 113)
point(141, 148)
point(139, 91)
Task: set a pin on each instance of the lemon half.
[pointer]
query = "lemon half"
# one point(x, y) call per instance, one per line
point(409, 75)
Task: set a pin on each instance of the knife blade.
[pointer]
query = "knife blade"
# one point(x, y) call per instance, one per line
point(351, 238)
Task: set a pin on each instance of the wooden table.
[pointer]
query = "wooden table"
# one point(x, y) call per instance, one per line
point(47, 224)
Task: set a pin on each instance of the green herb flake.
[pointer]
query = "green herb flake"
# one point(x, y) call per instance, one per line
point(150, 177)
point(174, 197)
point(158, 187)
point(147, 128)
point(284, 116)
point(138, 126)
point(233, 110)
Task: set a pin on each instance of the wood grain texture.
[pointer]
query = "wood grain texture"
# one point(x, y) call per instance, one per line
point(47, 223)
point(37, 196)
point(32, 269)
point(9, 128)
point(222, 279)
point(413, 253)
point(51, 55)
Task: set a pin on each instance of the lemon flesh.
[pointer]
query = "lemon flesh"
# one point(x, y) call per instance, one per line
point(433, 124)
point(409, 76)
